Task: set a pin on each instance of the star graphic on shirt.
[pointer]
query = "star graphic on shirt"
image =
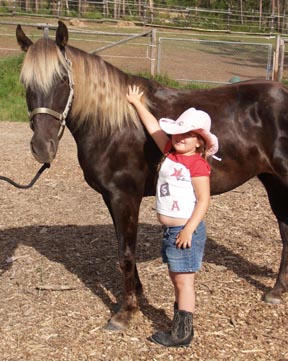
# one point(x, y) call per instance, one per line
point(177, 173)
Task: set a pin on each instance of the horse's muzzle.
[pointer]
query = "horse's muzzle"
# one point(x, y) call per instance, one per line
point(44, 152)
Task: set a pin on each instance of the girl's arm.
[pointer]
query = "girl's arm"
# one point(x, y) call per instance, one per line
point(202, 191)
point(150, 122)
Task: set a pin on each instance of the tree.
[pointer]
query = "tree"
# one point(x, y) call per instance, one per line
point(260, 14)
point(241, 11)
point(272, 25)
point(82, 6)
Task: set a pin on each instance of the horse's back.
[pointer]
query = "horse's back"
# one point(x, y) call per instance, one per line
point(250, 120)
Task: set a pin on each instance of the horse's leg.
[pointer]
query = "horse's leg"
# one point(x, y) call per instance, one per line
point(124, 211)
point(281, 285)
point(278, 197)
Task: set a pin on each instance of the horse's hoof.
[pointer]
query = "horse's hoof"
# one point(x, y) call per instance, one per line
point(113, 325)
point(272, 299)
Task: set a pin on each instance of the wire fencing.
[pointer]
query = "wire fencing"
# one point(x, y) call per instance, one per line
point(214, 61)
point(191, 58)
point(131, 52)
point(231, 19)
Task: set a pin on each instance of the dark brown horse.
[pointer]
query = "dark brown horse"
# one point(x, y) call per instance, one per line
point(118, 159)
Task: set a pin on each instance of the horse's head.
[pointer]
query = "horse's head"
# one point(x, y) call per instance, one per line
point(46, 75)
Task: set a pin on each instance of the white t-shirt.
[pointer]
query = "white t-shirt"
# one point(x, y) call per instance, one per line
point(175, 195)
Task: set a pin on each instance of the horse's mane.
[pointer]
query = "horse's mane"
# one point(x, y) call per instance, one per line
point(99, 88)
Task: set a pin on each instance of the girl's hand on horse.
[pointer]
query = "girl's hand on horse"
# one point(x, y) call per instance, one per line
point(134, 94)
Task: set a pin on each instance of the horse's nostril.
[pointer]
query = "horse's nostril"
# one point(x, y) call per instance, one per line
point(52, 147)
point(32, 147)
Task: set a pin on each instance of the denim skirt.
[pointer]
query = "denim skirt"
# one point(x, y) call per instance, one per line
point(183, 260)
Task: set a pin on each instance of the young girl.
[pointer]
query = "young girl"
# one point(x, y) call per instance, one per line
point(183, 195)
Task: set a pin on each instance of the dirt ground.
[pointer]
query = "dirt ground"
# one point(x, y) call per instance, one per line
point(60, 281)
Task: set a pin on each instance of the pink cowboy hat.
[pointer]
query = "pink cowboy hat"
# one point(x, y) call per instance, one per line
point(196, 120)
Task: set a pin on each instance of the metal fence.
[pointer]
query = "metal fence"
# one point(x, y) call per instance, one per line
point(211, 61)
point(231, 19)
point(130, 51)
point(186, 59)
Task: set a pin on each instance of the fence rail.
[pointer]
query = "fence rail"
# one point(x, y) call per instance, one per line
point(231, 19)
point(139, 48)
point(184, 59)
point(214, 61)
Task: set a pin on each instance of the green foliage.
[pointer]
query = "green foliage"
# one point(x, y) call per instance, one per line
point(12, 93)
point(166, 81)
point(248, 5)
point(4, 9)
point(92, 15)
point(188, 3)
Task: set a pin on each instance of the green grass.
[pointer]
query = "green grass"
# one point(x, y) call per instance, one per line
point(172, 83)
point(12, 94)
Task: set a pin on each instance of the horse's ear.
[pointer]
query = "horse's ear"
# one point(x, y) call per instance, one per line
point(23, 41)
point(61, 34)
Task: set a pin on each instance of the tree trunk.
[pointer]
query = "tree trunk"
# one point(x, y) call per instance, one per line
point(10, 5)
point(105, 8)
point(116, 9)
point(151, 10)
point(272, 16)
point(260, 14)
point(27, 5)
point(284, 25)
point(67, 7)
point(123, 8)
point(278, 15)
point(241, 11)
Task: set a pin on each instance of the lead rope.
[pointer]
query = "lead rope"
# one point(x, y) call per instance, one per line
point(29, 185)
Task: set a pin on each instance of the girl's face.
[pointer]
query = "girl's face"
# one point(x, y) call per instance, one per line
point(186, 143)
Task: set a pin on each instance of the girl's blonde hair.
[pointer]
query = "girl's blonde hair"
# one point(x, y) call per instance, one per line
point(202, 148)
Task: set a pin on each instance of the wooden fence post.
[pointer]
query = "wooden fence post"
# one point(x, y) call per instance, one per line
point(276, 59)
point(281, 60)
point(153, 52)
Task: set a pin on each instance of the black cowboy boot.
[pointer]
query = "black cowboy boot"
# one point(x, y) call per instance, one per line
point(181, 333)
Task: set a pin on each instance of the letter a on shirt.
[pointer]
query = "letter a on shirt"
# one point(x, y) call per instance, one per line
point(175, 206)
